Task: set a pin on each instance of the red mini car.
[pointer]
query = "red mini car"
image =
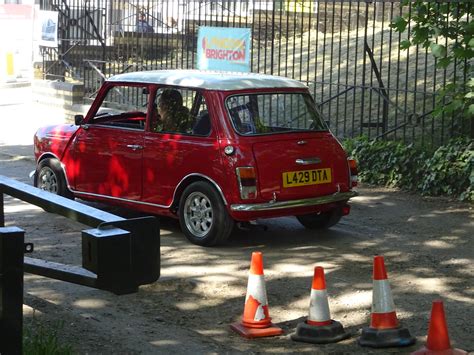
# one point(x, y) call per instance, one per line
point(209, 148)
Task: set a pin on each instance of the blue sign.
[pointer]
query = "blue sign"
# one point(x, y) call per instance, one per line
point(223, 48)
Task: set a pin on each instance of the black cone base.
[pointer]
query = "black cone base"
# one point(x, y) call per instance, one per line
point(321, 334)
point(386, 338)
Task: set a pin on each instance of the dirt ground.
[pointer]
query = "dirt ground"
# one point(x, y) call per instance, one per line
point(426, 242)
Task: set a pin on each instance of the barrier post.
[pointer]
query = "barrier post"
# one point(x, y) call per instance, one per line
point(2, 213)
point(11, 289)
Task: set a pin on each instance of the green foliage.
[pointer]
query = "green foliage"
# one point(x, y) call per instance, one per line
point(447, 29)
point(38, 339)
point(448, 171)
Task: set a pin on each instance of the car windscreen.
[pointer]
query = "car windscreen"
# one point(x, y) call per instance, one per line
point(269, 113)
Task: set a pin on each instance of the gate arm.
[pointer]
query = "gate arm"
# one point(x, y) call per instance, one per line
point(76, 211)
point(57, 271)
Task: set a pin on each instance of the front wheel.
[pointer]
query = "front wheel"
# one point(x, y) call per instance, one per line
point(321, 220)
point(50, 177)
point(202, 215)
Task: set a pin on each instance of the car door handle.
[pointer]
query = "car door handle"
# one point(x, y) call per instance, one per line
point(308, 161)
point(134, 146)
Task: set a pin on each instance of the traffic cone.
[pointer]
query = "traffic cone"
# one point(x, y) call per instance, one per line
point(319, 328)
point(256, 321)
point(384, 330)
point(438, 338)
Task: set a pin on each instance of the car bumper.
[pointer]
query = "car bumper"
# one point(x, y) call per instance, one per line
point(308, 202)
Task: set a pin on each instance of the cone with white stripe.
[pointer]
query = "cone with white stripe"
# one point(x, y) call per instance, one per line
point(256, 321)
point(384, 330)
point(438, 342)
point(319, 328)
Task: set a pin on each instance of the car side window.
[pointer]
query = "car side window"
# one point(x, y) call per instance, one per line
point(272, 113)
point(202, 124)
point(180, 111)
point(123, 106)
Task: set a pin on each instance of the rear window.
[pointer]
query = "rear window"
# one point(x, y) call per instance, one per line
point(255, 114)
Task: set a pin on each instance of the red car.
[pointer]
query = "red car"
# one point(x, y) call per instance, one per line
point(246, 146)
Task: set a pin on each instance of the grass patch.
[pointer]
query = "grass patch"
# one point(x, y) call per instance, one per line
point(43, 339)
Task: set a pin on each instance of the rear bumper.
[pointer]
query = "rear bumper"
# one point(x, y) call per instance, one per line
point(279, 205)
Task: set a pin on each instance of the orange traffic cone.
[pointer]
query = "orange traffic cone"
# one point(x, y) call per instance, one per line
point(385, 330)
point(319, 328)
point(438, 339)
point(256, 321)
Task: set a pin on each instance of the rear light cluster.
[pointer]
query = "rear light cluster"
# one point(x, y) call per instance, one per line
point(353, 172)
point(247, 180)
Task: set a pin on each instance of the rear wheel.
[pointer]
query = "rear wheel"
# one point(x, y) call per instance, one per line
point(50, 177)
point(321, 220)
point(202, 215)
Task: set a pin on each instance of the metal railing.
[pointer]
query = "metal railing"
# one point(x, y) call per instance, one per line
point(118, 255)
point(345, 51)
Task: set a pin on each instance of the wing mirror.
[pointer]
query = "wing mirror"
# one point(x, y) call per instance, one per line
point(78, 120)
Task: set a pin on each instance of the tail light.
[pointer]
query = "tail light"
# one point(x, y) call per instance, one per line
point(247, 180)
point(353, 172)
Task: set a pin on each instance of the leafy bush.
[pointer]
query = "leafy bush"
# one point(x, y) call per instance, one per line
point(448, 171)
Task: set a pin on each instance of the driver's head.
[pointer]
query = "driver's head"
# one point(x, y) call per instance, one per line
point(170, 99)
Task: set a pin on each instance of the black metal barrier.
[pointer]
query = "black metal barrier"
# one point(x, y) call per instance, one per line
point(118, 255)
point(11, 289)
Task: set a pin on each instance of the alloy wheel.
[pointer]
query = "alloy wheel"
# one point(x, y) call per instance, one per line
point(48, 180)
point(198, 214)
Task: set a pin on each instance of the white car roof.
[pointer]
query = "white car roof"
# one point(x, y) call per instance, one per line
point(210, 80)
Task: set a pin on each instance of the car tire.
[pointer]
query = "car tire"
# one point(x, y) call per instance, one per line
point(203, 216)
point(50, 177)
point(322, 220)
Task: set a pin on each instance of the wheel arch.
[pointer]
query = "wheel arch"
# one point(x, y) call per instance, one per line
point(188, 180)
point(47, 155)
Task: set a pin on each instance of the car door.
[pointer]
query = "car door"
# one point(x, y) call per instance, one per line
point(169, 156)
point(108, 149)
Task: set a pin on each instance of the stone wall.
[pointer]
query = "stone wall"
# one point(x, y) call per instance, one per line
point(68, 97)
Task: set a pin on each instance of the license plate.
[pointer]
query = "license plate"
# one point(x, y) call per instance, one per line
point(306, 177)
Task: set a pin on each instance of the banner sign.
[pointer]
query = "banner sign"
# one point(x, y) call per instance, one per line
point(222, 48)
point(49, 28)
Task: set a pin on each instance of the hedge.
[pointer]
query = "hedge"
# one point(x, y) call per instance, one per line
point(448, 171)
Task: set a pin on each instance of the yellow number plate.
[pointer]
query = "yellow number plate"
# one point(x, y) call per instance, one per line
point(306, 177)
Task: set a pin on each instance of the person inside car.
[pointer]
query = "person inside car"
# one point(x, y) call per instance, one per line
point(172, 115)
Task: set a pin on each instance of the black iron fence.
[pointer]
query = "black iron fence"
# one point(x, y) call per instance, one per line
point(345, 51)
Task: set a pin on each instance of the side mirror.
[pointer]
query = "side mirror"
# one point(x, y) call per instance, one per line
point(328, 123)
point(78, 120)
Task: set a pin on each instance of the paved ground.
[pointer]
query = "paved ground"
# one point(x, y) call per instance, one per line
point(427, 244)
